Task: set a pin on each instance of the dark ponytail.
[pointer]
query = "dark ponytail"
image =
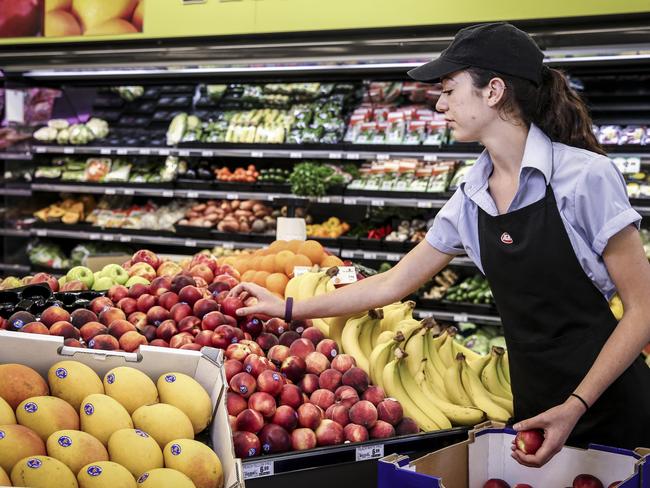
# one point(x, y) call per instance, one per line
point(554, 106)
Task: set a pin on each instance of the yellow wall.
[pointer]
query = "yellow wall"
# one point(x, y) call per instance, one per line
point(170, 18)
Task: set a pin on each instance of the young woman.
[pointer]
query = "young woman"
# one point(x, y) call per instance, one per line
point(545, 216)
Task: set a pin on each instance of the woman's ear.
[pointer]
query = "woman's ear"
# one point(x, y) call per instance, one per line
point(494, 91)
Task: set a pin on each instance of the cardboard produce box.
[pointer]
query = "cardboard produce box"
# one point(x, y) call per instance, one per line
point(486, 455)
point(40, 352)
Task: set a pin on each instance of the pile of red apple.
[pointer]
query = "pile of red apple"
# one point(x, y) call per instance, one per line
point(291, 389)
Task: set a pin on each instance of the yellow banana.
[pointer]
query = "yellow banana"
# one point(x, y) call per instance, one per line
point(351, 336)
point(384, 336)
point(381, 355)
point(447, 348)
point(456, 391)
point(479, 395)
point(467, 352)
point(407, 327)
point(433, 375)
point(455, 413)
point(478, 364)
point(321, 325)
point(505, 367)
point(490, 377)
point(394, 388)
point(336, 326)
point(376, 331)
point(293, 287)
point(414, 349)
point(395, 313)
point(308, 284)
point(366, 333)
point(321, 287)
point(419, 398)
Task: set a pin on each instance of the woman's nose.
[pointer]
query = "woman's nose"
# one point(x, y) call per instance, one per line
point(441, 104)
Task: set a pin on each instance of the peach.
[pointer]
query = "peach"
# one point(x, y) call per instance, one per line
point(145, 302)
point(309, 383)
point(128, 305)
point(130, 341)
point(35, 328)
point(346, 395)
point(206, 260)
point(252, 345)
point(316, 362)
point(356, 433)
point(54, 314)
point(330, 379)
point(293, 368)
point(323, 398)
point(72, 342)
point(110, 315)
point(374, 394)
point(277, 354)
point(192, 346)
point(159, 343)
point(18, 383)
point(586, 481)
point(329, 348)
point(363, 413)
point(65, 329)
point(250, 421)
point(310, 415)
point(235, 351)
point(313, 334)
point(390, 410)
point(120, 327)
point(143, 270)
point(290, 395)
point(99, 304)
point(329, 433)
point(190, 324)
point(263, 403)
point(180, 281)
point(181, 339)
point(276, 326)
point(274, 439)
point(117, 293)
point(230, 305)
point(302, 439)
point(382, 430)
point(166, 330)
point(406, 427)
point(160, 286)
point(232, 367)
point(266, 341)
point(179, 311)
point(289, 337)
point(169, 269)
point(343, 362)
point(105, 342)
point(190, 295)
point(254, 364)
point(138, 319)
point(246, 444)
point(232, 421)
point(244, 384)
point(137, 290)
point(253, 326)
point(204, 306)
point(496, 483)
point(149, 332)
point(286, 417)
point(204, 338)
point(529, 441)
point(91, 329)
point(212, 320)
point(146, 256)
point(235, 404)
point(356, 378)
point(168, 299)
point(19, 320)
point(338, 413)
point(82, 316)
point(157, 315)
point(202, 271)
point(270, 382)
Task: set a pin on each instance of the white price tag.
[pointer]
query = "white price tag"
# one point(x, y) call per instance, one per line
point(41, 232)
point(104, 152)
point(68, 150)
point(94, 237)
point(257, 154)
point(110, 191)
point(295, 155)
point(164, 152)
point(335, 155)
point(346, 275)
point(323, 199)
point(258, 469)
point(129, 191)
point(125, 238)
point(300, 270)
point(628, 165)
point(145, 152)
point(460, 317)
point(122, 152)
point(183, 153)
point(424, 204)
point(232, 196)
point(228, 245)
point(168, 193)
point(369, 255)
point(431, 157)
point(354, 156)
point(365, 453)
point(15, 105)
point(108, 237)
point(192, 194)
point(347, 254)
point(383, 157)
point(207, 154)
point(39, 149)
point(190, 243)
point(350, 201)
point(426, 314)
point(377, 203)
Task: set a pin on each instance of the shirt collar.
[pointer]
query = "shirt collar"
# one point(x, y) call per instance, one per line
point(538, 154)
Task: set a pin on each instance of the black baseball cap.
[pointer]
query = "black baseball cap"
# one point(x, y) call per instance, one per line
point(497, 46)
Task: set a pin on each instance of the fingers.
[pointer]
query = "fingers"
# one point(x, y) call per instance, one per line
point(245, 287)
point(249, 310)
point(538, 422)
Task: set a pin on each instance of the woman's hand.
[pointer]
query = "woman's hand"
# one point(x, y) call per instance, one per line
point(267, 302)
point(557, 424)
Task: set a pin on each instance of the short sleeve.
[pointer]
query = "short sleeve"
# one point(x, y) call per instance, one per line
point(602, 207)
point(443, 234)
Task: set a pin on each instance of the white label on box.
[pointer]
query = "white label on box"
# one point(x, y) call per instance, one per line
point(354, 156)
point(628, 165)
point(347, 254)
point(257, 154)
point(15, 106)
point(295, 155)
point(350, 201)
point(207, 154)
point(192, 194)
point(190, 243)
point(164, 152)
point(345, 276)
point(39, 149)
point(430, 157)
point(94, 237)
point(377, 203)
point(426, 314)
point(258, 469)
point(291, 228)
point(383, 157)
point(228, 245)
point(122, 152)
point(107, 237)
point(68, 150)
point(369, 255)
point(323, 199)
point(300, 270)
point(232, 196)
point(104, 152)
point(365, 453)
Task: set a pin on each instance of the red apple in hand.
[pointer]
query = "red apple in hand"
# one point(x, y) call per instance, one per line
point(529, 441)
point(496, 483)
point(586, 481)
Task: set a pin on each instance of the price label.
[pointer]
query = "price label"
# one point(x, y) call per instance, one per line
point(108, 237)
point(129, 191)
point(431, 157)
point(228, 245)
point(377, 203)
point(257, 154)
point(104, 152)
point(460, 317)
point(41, 232)
point(232, 196)
point(190, 243)
point(426, 314)
point(110, 191)
point(94, 237)
point(125, 238)
point(68, 150)
point(39, 149)
point(183, 153)
point(335, 155)
point(207, 154)
point(192, 194)
point(347, 254)
point(295, 155)
point(424, 204)
point(370, 255)
point(122, 152)
point(323, 199)
point(167, 193)
point(365, 453)
point(628, 165)
point(164, 152)
point(300, 270)
point(383, 157)
point(354, 156)
point(350, 201)
point(145, 152)
point(258, 469)
point(346, 275)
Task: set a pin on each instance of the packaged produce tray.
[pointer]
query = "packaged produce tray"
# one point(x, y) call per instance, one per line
point(206, 367)
point(36, 298)
point(345, 465)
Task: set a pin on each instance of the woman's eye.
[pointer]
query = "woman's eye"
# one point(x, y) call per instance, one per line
point(446, 92)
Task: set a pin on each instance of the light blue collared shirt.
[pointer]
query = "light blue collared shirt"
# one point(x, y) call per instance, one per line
point(589, 191)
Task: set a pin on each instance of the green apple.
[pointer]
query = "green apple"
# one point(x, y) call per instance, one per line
point(82, 274)
point(136, 279)
point(102, 283)
point(62, 281)
point(115, 272)
point(10, 282)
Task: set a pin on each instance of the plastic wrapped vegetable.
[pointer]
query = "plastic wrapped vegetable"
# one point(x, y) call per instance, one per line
point(58, 124)
point(46, 134)
point(63, 136)
point(98, 127)
point(176, 129)
point(80, 134)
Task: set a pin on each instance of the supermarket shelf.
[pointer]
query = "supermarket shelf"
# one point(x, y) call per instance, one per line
point(16, 192)
point(20, 156)
point(14, 232)
point(457, 316)
point(14, 268)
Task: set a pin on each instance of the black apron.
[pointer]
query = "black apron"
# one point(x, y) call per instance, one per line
point(555, 323)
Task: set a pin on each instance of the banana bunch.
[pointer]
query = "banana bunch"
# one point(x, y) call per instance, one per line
point(359, 335)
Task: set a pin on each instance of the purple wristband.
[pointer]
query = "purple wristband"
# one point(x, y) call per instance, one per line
point(288, 309)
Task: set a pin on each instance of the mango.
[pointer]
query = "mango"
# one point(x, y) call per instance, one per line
point(17, 442)
point(196, 461)
point(105, 474)
point(92, 13)
point(4, 478)
point(101, 416)
point(75, 449)
point(185, 393)
point(7, 415)
point(164, 478)
point(125, 442)
point(42, 472)
point(73, 381)
point(163, 422)
point(59, 23)
point(130, 387)
point(18, 382)
point(47, 414)
point(57, 5)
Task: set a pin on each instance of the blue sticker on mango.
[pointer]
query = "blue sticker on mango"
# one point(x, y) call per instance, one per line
point(89, 409)
point(141, 433)
point(170, 378)
point(143, 478)
point(176, 449)
point(65, 441)
point(110, 379)
point(94, 470)
point(2, 434)
point(34, 463)
point(61, 373)
point(30, 407)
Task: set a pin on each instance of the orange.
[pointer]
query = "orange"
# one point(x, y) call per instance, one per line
point(268, 263)
point(313, 250)
point(329, 261)
point(248, 275)
point(298, 260)
point(229, 260)
point(260, 277)
point(281, 259)
point(255, 263)
point(277, 282)
point(277, 246)
point(241, 265)
point(294, 245)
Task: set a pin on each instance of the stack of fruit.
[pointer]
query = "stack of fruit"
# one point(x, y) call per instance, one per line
point(244, 216)
point(86, 433)
point(247, 175)
point(331, 228)
point(68, 211)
